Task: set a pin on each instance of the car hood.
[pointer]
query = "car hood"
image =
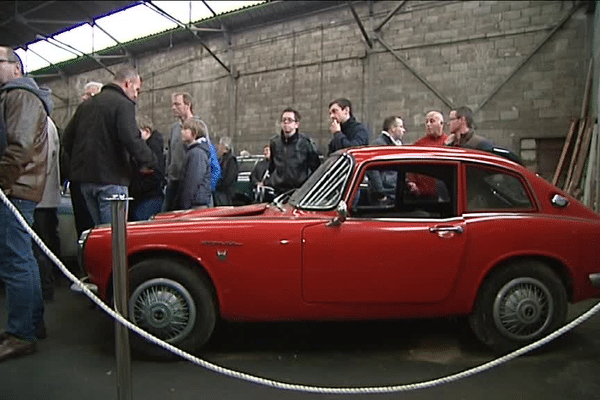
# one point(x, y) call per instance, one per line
point(238, 211)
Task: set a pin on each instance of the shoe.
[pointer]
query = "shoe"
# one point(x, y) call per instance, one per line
point(40, 331)
point(12, 347)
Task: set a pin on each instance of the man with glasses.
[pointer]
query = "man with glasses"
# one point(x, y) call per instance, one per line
point(462, 133)
point(293, 155)
point(24, 111)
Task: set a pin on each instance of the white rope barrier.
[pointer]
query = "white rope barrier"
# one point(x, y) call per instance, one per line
point(290, 386)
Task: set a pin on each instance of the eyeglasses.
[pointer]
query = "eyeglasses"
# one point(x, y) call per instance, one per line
point(288, 120)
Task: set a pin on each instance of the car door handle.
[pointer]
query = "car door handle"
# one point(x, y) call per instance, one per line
point(457, 229)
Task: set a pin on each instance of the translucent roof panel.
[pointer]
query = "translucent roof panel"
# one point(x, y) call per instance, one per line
point(124, 26)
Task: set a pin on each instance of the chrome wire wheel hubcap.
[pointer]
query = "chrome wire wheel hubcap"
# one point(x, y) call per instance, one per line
point(523, 308)
point(164, 308)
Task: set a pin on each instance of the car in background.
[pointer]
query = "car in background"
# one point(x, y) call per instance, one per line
point(244, 193)
point(459, 233)
point(67, 233)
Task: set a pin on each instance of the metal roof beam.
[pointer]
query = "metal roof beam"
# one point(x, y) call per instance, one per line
point(187, 28)
point(360, 26)
point(73, 50)
point(390, 15)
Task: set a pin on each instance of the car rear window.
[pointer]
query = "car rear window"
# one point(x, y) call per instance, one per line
point(493, 190)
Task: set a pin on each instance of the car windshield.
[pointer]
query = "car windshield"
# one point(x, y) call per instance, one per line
point(324, 188)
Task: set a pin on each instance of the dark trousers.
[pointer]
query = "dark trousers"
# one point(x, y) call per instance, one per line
point(169, 203)
point(45, 224)
point(83, 218)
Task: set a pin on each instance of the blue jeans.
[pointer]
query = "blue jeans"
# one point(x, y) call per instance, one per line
point(141, 210)
point(19, 271)
point(96, 195)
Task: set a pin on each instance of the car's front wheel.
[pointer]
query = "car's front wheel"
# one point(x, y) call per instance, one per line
point(518, 305)
point(172, 302)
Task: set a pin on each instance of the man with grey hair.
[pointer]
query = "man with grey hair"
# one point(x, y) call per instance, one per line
point(229, 172)
point(102, 138)
point(81, 214)
point(91, 89)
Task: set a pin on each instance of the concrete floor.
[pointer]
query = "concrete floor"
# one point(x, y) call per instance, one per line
point(77, 361)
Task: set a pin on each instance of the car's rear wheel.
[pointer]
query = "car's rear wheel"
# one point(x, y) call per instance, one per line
point(172, 302)
point(518, 305)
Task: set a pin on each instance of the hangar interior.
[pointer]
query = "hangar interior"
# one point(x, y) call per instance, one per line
point(528, 69)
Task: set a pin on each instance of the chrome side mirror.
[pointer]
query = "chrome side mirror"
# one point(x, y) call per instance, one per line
point(342, 214)
point(559, 201)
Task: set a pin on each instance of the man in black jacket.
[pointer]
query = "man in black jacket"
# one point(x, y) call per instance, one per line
point(346, 130)
point(293, 155)
point(229, 173)
point(100, 140)
point(147, 189)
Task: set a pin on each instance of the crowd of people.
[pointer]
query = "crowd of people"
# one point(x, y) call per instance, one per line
point(107, 150)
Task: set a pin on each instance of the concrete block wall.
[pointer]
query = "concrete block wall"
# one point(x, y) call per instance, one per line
point(464, 49)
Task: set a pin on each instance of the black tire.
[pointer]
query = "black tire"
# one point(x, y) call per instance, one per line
point(518, 305)
point(172, 302)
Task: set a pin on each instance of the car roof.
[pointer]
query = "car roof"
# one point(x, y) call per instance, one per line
point(373, 153)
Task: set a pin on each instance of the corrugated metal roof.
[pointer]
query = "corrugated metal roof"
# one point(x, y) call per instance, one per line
point(50, 17)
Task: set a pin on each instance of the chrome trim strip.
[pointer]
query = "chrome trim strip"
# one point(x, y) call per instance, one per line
point(595, 280)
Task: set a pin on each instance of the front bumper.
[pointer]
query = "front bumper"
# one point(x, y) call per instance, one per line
point(595, 280)
point(76, 287)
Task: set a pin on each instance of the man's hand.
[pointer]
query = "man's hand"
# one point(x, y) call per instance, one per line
point(412, 187)
point(334, 126)
point(146, 171)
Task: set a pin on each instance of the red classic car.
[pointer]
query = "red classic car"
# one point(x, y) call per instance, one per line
point(375, 233)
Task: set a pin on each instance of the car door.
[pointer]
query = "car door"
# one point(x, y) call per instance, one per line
point(406, 248)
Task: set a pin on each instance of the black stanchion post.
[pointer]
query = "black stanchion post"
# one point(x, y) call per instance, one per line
point(121, 290)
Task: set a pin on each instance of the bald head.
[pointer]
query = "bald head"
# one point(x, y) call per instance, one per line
point(434, 124)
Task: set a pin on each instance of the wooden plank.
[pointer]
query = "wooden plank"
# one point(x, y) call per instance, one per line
point(583, 122)
point(574, 155)
point(582, 159)
point(589, 185)
point(566, 147)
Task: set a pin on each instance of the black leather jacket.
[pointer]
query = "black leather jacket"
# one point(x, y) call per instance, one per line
point(102, 137)
point(292, 161)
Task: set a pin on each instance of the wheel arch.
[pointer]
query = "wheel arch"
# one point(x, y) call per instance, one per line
point(555, 265)
point(185, 260)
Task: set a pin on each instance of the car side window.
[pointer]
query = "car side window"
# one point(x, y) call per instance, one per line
point(407, 190)
point(494, 190)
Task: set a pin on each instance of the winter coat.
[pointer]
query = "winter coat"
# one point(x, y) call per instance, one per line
point(352, 133)
point(102, 137)
point(194, 181)
point(293, 159)
point(144, 186)
point(25, 108)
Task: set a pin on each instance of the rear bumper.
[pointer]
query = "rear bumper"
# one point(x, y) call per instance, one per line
point(595, 280)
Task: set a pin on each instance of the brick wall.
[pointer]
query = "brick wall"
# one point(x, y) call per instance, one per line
point(464, 49)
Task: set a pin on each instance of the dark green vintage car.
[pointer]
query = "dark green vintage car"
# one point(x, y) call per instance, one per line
point(243, 187)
